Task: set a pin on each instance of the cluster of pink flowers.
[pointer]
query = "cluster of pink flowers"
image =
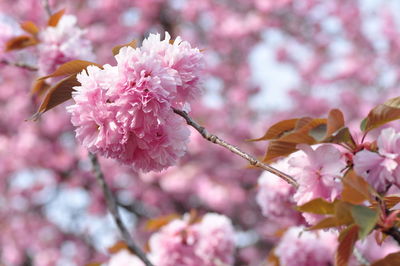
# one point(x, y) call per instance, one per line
point(275, 196)
point(125, 111)
point(381, 168)
point(61, 44)
point(317, 171)
point(300, 247)
point(209, 242)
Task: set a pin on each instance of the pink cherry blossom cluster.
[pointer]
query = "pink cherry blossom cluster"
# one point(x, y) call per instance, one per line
point(61, 44)
point(300, 247)
point(125, 111)
point(316, 169)
point(381, 168)
point(209, 242)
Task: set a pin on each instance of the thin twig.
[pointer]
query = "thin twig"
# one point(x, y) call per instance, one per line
point(252, 160)
point(139, 209)
point(113, 209)
point(18, 64)
point(46, 5)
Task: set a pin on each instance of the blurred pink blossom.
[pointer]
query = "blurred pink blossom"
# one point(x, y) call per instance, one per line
point(209, 242)
point(298, 247)
point(63, 43)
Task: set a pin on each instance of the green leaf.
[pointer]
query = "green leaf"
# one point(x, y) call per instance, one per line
point(343, 135)
point(318, 206)
point(365, 218)
point(363, 124)
point(347, 239)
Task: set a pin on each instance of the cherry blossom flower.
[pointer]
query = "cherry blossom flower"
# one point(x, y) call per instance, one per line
point(298, 247)
point(275, 196)
point(127, 119)
point(317, 172)
point(124, 258)
point(61, 44)
point(381, 168)
point(209, 242)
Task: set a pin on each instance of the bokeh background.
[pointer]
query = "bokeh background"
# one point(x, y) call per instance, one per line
point(267, 60)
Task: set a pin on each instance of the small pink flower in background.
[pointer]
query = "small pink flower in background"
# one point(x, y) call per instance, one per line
point(298, 247)
point(275, 196)
point(63, 43)
point(381, 168)
point(318, 174)
point(208, 243)
point(124, 258)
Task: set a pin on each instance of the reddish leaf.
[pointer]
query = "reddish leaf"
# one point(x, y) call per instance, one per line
point(335, 122)
point(272, 259)
point(299, 138)
point(389, 260)
point(55, 18)
point(70, 68)
point(347, 240)
point(117, 247)
point(30, 27)
point(278, 130)
point(391, 201)
point(318, 206)
point(57, 94)
point(279, 148)
point(157, 223)
point(301, 122)
point(39, 87)
point(355, 189)
point(115, 49)
point(20, 42)
point(382, 114)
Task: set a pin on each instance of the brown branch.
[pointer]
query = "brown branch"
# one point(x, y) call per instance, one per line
point(113, 209)
point(394, 233)
point(46, 5)
point(252, 160)
point(18, 64)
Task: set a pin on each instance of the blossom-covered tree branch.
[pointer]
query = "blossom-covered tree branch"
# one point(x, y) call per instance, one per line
point(252, 160)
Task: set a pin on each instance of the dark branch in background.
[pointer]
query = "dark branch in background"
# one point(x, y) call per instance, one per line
point(46, 5)
point(18, 64)
point(395, 233)
point(113, 209)
point(139, 209)
point(252, 160)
